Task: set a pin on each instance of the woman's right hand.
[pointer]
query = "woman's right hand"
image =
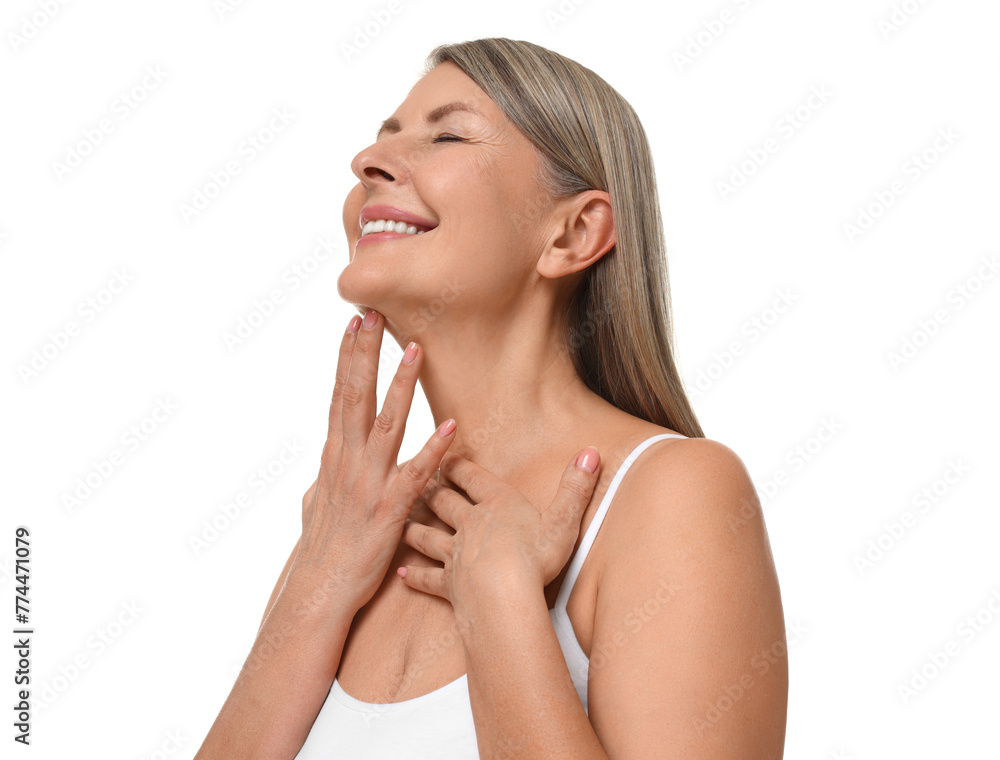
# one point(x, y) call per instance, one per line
point(353, 515)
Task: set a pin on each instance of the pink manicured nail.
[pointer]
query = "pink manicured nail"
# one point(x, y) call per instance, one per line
point(587, 459)
point(369, 320)
point(354, 325)
point(446, 428)
point(401, 572)
point(410, 353)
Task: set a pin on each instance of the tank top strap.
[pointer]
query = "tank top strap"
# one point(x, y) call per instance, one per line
point(595, 525)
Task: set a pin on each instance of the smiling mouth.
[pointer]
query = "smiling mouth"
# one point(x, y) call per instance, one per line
point(376, 226)
point(381, 230)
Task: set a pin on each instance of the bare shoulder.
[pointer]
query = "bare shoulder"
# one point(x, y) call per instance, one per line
point(689, 489)
point(688, 503)
point(688, 612)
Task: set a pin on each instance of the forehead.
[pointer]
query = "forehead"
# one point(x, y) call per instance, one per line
point(447, 80)
point(444, 90)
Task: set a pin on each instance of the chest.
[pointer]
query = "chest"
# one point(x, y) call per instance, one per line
point(405, 643)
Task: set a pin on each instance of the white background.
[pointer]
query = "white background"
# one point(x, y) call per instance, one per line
point(895, 80)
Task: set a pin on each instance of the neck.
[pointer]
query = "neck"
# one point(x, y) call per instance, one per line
point(514, 394)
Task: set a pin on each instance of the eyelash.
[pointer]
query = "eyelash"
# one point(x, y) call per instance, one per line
point(447, 138)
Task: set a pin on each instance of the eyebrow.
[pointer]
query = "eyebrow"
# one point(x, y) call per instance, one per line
point(392, 124)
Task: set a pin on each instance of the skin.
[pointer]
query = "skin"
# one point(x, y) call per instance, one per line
point(678, 603)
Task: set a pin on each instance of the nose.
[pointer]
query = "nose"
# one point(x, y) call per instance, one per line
point(374, 165)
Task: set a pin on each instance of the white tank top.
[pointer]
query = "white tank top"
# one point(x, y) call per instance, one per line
point(439, 725)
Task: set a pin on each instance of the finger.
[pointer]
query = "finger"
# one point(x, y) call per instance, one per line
point(359, 393)
point(444, 501)
point(412, 478)
point(386, 435)
point(347, 343)
point(575, 489)
point(431, 542)
point(430, 580)
point(478, 482)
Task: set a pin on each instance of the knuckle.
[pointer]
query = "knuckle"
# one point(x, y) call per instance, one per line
point(412, 478)
point(476, 483)
point(338, 390)
point(351, 396)
point(577, 488)
point(403, 378)
point(382, 425)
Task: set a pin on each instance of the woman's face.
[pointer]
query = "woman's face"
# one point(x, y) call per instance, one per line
point(473, 179)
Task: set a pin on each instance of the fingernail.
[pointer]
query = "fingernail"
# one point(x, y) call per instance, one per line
point(410, 353)
point(587, 459)
point(369, 321)
point(354, 324)
point(401, 572)
point(446, 428)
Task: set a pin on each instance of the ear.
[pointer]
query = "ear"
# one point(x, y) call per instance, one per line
point(584, 230)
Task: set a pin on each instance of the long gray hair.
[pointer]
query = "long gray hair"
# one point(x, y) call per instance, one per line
point(589, 138)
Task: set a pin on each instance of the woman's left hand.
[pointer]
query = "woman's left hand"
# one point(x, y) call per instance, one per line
point(498, 533)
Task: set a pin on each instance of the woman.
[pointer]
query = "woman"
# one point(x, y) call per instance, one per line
point(524, 271)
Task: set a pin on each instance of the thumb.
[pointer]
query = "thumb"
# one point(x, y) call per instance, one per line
point(575, 489)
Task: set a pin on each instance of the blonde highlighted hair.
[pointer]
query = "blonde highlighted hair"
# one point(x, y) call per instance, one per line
point(589, 138)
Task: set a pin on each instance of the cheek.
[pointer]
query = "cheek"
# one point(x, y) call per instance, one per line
point(470, 196)
point(487, 202)
point(491, 231)
point(518, 203)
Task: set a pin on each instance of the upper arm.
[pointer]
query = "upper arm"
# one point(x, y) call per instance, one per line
point(689, 635)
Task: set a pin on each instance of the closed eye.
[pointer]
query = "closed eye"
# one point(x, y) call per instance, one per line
point(447, 138)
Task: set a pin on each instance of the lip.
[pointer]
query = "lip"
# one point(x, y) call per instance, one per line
point(377, 237)
point(368, 213)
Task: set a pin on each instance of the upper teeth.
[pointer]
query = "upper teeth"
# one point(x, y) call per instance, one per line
point(388, 225)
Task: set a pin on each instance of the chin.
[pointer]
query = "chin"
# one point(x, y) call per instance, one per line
point(361, 285)
point(368, 286)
